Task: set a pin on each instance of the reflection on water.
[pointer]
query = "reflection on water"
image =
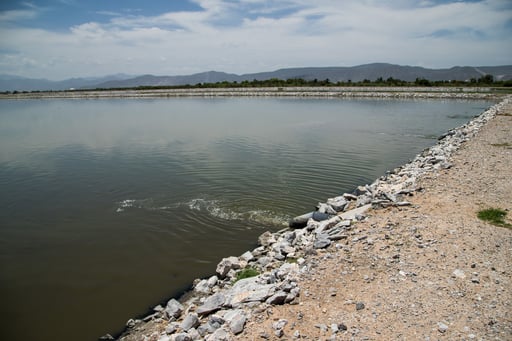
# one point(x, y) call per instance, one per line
point(111, 206)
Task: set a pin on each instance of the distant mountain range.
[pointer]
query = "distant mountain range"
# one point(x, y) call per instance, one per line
point(334, 74)
point(12, 83)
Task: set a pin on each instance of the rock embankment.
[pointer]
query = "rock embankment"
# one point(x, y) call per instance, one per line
point(367, 264)
point(328, 92)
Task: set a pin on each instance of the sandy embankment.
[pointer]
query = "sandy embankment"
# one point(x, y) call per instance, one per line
point(431, 271)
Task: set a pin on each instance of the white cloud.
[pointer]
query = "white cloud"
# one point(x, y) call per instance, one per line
point(16, 15)
point(259, 35)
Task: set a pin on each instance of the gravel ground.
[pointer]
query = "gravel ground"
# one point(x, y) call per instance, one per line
point(430, 271)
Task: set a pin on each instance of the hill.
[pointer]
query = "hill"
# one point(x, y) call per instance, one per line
point(334, 74)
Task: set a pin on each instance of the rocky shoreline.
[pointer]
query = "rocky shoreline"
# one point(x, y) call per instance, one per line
point(327, 92)
point(219, 307)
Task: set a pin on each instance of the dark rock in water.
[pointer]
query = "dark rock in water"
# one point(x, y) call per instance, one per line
point(319, 216)
point(300, 221)
point(445, 135)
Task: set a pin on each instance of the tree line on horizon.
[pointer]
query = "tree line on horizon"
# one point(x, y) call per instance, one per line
point(484, 81)
point(487, 80)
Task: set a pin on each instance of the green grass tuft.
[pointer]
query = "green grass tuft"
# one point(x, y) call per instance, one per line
point(494, 216)
point(505, 144)
point(246, 273)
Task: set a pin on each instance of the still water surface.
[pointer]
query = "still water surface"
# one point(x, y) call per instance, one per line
point(108, 207)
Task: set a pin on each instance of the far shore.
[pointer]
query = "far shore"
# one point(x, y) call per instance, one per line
point(322, 92)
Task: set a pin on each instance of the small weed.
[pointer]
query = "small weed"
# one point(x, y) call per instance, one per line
point(505, 144)
point(504, 114)
point(494, 216)
point(246, 273)
point(291, 260)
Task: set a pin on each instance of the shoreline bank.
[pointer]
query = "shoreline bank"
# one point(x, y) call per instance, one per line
point(322, 92)
point(217, 309)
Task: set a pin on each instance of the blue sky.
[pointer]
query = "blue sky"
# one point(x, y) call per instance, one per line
point(59, 39)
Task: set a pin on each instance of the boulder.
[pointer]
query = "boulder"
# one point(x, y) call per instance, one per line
point(327, 224)
point(322, 241)
point(319, 216)
point(194, 334)
point(247, 256)
point(338, 203)
point(227, 264)
point(212, 304)
point(351, 215)
point(203, 287)
point(343, 224)
point(363, 200)
point(278, 298)
point(266, 239)
point(325, 208)
point(219, 335)
point(173, 309)
point(181, 337)
point(190, 321)
point(236, 320)
point(172, 327)
point(248, 290)
point(349, 196)
point(214, 323)
point(212, 281)
point(300, 221)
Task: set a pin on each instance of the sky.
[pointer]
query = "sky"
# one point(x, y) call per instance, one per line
point(59, 39)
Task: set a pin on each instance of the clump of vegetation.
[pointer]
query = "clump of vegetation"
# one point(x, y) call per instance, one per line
point(494, 216)
point(246, 273)
point(505, 144)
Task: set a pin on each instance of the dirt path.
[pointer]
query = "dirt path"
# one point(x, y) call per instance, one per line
point(431, 271)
